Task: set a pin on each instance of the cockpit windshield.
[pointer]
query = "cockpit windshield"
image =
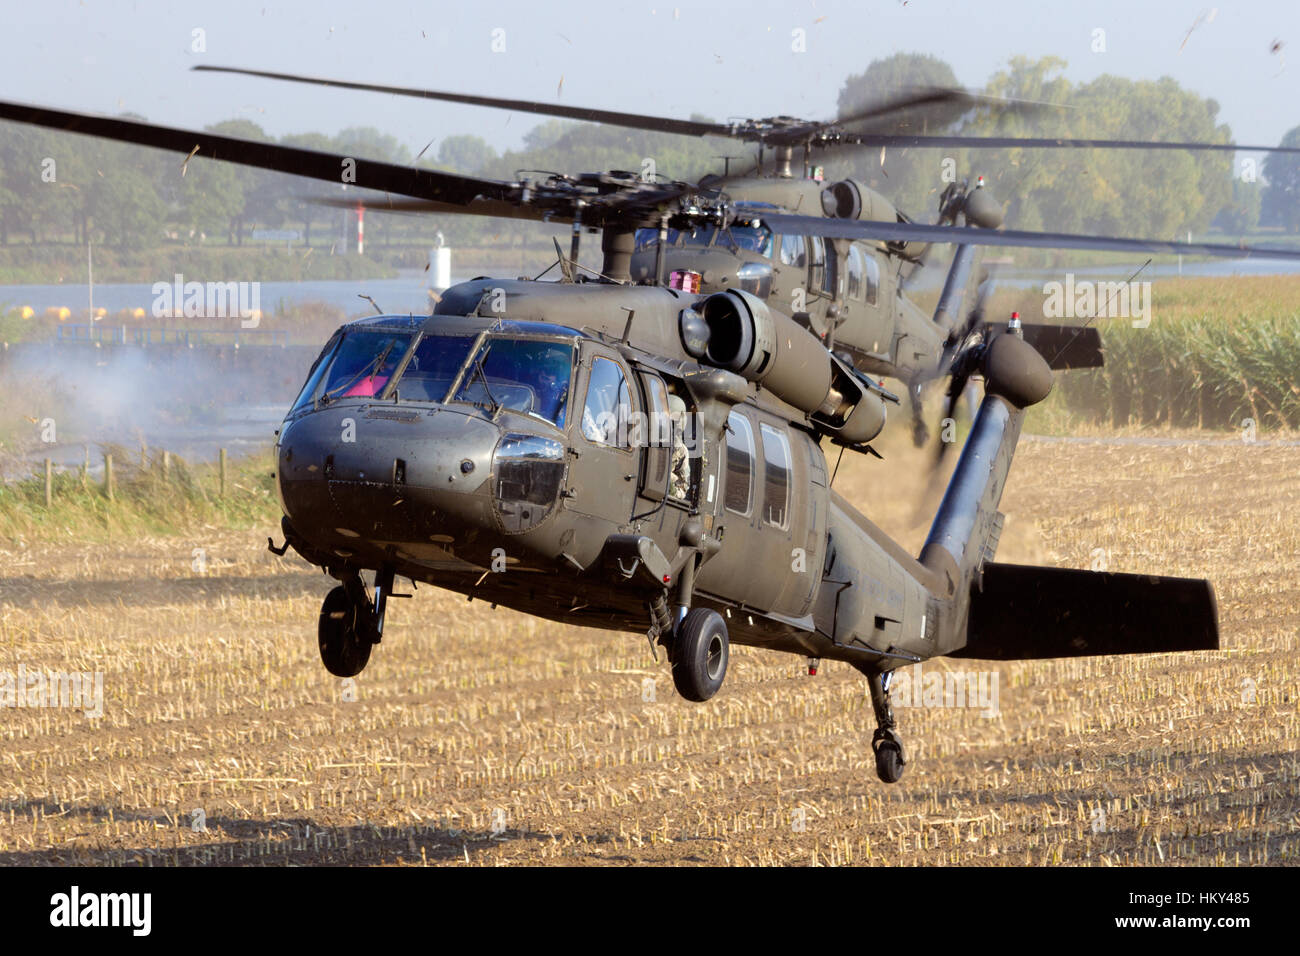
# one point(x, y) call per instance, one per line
point(433, 367)
point(524, 375)
point(753, 237)
point(357, 366)
point(646, 237)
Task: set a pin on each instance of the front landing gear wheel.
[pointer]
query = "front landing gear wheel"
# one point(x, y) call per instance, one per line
point(889, 755)
point(344, 640)
point(700, 651)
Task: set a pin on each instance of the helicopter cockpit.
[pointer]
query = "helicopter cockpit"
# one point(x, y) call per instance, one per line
point(739, 236)
point(501, 370)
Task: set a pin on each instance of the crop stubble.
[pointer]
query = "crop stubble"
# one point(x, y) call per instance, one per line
point(487, 737)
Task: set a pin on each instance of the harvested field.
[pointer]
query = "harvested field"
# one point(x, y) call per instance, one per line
point(484, 737)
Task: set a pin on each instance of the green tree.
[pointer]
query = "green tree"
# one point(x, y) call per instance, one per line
point(265, 193)
point(1161, 193)
point(909, 178)
point(1241, 215)
point(1281, 199)
point(305, 204)
point(212, 197)
point(125, 206)
point(465, 153)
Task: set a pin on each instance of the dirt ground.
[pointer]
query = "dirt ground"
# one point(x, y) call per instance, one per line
point(484, 737)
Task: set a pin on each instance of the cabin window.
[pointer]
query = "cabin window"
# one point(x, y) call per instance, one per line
point(657, 435)
point(608, 408)
point(740, 463)
point(776, 477)
point(872, 278)
point(864, 276)
point(821, 278)
point(794, 252)
point(857, 270)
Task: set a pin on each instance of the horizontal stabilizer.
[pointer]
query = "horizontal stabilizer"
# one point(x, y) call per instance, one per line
point(1020, 613)
point(1065, 346)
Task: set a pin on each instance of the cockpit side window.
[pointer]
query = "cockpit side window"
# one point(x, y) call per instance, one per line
point(608, 406)
point(794, 252)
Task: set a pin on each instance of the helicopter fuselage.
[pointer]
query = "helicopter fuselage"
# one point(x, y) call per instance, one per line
point(847, 293)
point(467, 476)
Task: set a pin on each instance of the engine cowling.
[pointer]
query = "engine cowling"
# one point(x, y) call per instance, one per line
point(736, 331)
point(850, 199)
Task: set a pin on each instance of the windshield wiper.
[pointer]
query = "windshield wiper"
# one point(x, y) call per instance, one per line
point(487, 389)
point(369, 371)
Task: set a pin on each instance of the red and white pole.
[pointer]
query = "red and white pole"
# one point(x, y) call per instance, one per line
point(361, 230)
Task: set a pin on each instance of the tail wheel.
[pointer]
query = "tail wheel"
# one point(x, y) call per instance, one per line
point(889, 756)
point(700, 654)
point(344, 643)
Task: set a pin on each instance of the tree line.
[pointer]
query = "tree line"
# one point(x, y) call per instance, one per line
point(59, 187)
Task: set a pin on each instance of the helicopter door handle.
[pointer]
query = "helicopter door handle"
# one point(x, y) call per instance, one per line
point(628, 477)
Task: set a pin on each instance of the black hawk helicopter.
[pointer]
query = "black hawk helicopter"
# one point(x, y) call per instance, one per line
point(849, 291)
point(653, 459)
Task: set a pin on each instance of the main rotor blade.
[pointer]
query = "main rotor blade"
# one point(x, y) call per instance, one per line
point(939, 95)
point(926, 96)
point(777, 135)
point(445, 192)
point(893, 141)
point(916, 232)
point(633, 120)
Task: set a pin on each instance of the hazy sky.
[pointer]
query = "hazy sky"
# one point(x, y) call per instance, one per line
point(673, 58)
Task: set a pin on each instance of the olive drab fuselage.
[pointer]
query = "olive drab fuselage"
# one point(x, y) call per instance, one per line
point(425, 486)
point(848, 293)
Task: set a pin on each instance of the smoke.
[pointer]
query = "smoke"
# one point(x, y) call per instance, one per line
point(58, 399)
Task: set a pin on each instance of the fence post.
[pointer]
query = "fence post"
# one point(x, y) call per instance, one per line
point(108, 476)
point(222, 457)
point(167, 464)
point(49, 483)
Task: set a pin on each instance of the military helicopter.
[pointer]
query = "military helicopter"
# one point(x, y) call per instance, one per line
point(849, 291)
point(654, 460)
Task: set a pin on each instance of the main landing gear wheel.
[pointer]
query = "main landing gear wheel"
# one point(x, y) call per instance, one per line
point(889, 755)
point(700, 651)
point(885, 742)
point(344, 634)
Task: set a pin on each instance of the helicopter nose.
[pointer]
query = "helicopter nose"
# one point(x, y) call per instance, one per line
point(365, 476)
